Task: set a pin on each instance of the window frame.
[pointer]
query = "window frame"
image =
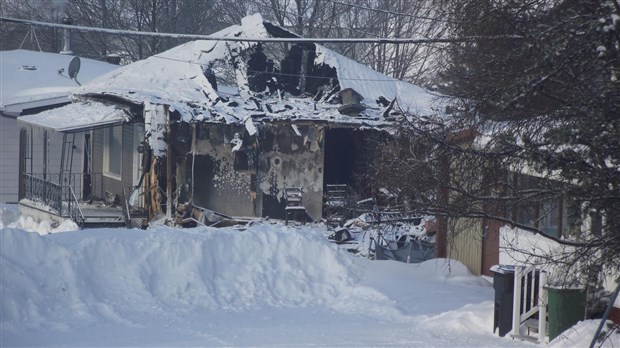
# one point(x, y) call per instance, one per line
point(107, 132)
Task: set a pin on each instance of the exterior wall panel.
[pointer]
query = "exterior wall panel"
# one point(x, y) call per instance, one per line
point(9, 160)
point(10, 157)
point(465, 243)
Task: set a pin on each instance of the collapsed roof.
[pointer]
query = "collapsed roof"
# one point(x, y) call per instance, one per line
point(229, 82)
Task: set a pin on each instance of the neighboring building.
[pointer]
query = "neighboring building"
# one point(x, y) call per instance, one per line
point(522, 196)
point(33, 82)
point(228, 125)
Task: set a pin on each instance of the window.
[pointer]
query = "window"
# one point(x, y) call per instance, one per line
point(112, 152)
point(549, 218)
point(241, 161)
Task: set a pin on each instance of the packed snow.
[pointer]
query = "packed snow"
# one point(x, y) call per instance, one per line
point(82, 114)
point(264, 285)
point(31, 77)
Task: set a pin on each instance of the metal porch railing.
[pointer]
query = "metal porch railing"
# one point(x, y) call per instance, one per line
point(74, 210)
point(62, 193)
point(43, 191)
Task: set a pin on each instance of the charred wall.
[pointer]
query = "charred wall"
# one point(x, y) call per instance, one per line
point(250, 181)
point(220, 184)
point(291, 160)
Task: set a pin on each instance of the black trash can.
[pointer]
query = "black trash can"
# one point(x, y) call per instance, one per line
point(503, 284)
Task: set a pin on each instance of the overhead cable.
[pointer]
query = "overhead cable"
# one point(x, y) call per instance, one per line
point(395, 41)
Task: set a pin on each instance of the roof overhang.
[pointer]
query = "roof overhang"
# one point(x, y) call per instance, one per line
point(76, 117)
point(16, 109)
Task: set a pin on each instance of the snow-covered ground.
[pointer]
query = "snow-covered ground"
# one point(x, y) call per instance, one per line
point(268, 285)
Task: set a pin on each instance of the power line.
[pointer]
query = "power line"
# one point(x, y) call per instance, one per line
point(394, 41)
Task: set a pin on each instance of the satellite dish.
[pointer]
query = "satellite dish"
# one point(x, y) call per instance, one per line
point(74, 67)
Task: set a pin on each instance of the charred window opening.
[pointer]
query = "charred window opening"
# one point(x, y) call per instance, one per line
point(210, 75)
point(292, 69)
point(301, 76)
point(204, 172)
point(322, 82)
point(241, 161)
point(262, 72)
point(347, 157)
point(202, 132)
point(340, 156)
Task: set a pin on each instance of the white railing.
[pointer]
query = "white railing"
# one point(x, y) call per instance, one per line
point(75, 212)
point(529, 298)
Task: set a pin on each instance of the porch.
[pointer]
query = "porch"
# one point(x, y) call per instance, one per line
point(76, 196)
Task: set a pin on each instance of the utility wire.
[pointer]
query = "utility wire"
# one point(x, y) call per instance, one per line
point(394, 41)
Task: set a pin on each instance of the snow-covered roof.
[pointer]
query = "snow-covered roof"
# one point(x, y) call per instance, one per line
point(30, 79)
point(177, 78)
point(77, 116)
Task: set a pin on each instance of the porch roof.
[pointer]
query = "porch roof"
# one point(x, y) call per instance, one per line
point(78, 116)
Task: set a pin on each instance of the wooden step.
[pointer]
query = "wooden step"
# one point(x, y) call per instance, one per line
point(525, 338)
point(532, 325)
point(103, 221)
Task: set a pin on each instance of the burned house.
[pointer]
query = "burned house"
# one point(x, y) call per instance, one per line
point(218, 127)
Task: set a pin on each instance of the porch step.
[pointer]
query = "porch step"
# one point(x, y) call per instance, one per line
point(532, 325)
point(532, 339)
point(103, 221)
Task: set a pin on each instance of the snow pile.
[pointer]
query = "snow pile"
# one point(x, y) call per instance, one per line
point(581, 335)
point(269, 285)
point(373, 85)
point(44, 227)
point(11, 218)
point(68, 276)
point(9, 213)
point(82, 114)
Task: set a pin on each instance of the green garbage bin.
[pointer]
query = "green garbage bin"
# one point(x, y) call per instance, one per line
point(566, 307)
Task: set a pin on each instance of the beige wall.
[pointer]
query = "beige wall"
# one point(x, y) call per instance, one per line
point(465, 243)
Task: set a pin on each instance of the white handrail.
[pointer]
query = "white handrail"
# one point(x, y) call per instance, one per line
point(542, 305)
point(525, 278)
point(516, 302)
point(77, 205)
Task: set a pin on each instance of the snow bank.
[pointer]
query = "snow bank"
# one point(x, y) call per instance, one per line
point(581, 335)
point(9, 213)
point(269, 285)
point(84, 275)
point(10, 218)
